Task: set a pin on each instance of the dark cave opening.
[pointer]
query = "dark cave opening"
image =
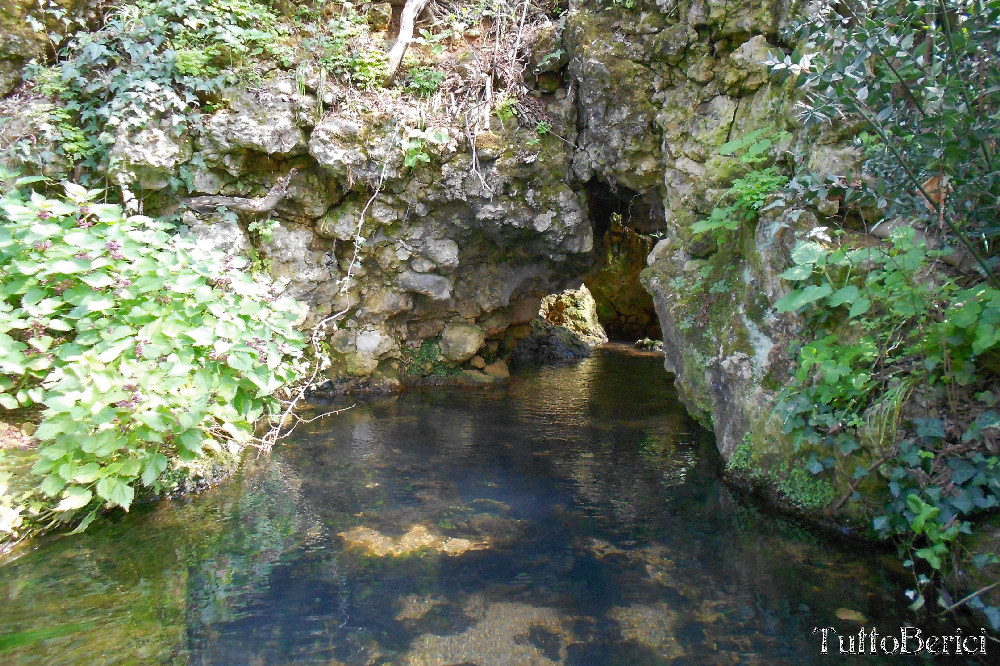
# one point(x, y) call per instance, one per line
point(624, 223)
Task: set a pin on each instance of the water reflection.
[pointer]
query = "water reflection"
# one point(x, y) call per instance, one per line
point(575, 518)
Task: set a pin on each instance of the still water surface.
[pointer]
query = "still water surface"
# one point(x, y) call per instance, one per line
point(576, 517)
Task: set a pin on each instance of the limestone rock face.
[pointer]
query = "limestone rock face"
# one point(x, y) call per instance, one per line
point(18, 43)
point(637, 102)
point(267, 122)
point(566, 328)
point(576, 310)
point(150, 156)
point(436, 287)
point(216, 233)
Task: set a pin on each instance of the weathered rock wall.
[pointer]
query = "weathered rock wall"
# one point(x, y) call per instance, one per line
point(638, 102)
point(464, 239)
point(660, 91)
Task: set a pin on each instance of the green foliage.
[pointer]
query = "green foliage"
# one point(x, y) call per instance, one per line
point(434, 40)
point(424, 81)
point(920, 75)
point(426, 361)
point(505, 108)
point(549, 59)
point(747, 194)
point(720, 287)
point(149, 65)
point(416, 144)
point(886, 328)
point(803, 490)
point(624, 4)
point(742, 458)
point(344, 55)
point(263, 228)
point(138, 346)
point(793, 482)
point(541, 129)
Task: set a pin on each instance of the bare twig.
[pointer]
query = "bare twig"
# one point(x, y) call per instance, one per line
point(276, 433)
point(410, 12)
point(972, 596)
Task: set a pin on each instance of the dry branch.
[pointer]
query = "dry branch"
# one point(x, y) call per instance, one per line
point(257, 206)
point(410, 12)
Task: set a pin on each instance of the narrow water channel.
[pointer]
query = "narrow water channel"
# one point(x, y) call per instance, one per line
point(575, 517)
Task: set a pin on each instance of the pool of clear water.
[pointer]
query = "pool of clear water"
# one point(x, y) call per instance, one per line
point(574, 517)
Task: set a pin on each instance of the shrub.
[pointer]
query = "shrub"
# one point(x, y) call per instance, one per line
point(920, 77)
point(149, 63)
point(135, 345)
point(747, 194)
point(424, 81)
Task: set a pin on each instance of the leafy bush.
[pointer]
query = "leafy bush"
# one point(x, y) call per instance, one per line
point(919, 76)
point(748, 194)
point(418, 142)
point(148, 64)
point(138, 346)
point(922, 78)
point(889, 330)
point(345, 55)
point(424, 81)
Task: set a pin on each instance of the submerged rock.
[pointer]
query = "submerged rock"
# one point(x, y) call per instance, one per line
point(417, 538)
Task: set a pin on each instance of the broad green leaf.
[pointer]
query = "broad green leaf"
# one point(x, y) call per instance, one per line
point(192, 440)
point(87, 473)
point(75, 497)
point(114, 351)
point(987, 336)
point(52, 451)
point(799, 272)
point(95, 302)
point(808, 252)
point(51, 485)
point(85, 523)
point(930, 556)
point(203, 336)
point(60, 402)
point(98, 280)
point(844, 295)
point(859, 307)
point(801, 297)
point(115, 491)
point(153, 419)
point(965, 316)
point(42, 344)
point(68, 267)
point(155, 466)
point(67, 471)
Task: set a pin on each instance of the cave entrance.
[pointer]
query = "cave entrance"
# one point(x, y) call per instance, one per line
point(623, 222)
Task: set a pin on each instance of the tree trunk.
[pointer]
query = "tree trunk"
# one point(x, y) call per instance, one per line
point(411, 10)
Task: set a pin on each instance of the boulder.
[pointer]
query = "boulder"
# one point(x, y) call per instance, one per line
point(435, 286)
point(461, 341)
